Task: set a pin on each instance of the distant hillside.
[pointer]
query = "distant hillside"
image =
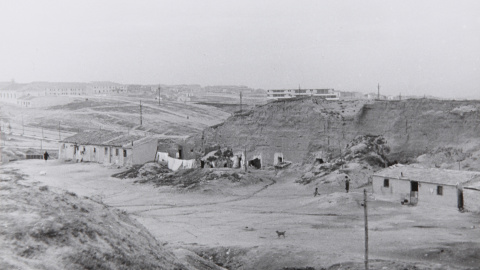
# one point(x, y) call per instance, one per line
point(305, 128)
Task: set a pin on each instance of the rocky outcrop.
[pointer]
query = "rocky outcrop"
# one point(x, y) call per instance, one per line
point(307, 129)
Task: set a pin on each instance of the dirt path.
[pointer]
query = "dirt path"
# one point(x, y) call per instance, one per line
point(167, 206)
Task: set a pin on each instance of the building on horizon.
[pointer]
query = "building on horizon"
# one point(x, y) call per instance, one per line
point(328, 93)
point(106, 88)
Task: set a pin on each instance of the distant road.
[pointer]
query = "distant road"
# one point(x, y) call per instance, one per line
point(34, 132)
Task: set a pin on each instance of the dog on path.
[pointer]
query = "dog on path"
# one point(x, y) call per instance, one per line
point(280, 233)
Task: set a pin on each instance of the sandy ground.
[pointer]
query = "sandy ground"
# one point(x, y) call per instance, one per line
point(238, 224)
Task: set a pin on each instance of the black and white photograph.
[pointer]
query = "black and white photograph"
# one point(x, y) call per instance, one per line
point(239, 135)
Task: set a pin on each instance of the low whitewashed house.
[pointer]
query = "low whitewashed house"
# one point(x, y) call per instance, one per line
point(417, 185)
point(108, 147)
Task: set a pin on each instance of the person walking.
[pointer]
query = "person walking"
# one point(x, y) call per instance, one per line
point(347, 183)
point(45, 156)
point(316, 192)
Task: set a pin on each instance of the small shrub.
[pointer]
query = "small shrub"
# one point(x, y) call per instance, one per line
point(71, 193)
point(228, 153)
point(211, 158)
point(218, 153)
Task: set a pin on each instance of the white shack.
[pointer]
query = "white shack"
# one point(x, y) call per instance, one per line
point(416, 185)
point(108, 147)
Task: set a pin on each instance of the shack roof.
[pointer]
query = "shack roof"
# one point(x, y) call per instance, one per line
point(429, 175)
point(105, 138)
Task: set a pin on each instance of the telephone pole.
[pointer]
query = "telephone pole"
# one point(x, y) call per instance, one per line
point(378, 94)
point(366, 227)
point(240, 102)
point(245, 159)
point(140, 112)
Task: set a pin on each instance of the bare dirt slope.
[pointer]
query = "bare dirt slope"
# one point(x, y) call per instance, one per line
point(47, 228)
point(304, 128)
point(234, 225)
point(118, 113)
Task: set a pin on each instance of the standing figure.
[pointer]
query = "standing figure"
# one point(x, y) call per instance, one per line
point(45, 156)
point(460, 203)
point(316, 192)
point(347, 183)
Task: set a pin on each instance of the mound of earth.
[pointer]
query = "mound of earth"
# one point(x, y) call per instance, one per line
point(42, 229)
point(145, 171)
point(452, 158)
point(196, 178)
point(361, 157)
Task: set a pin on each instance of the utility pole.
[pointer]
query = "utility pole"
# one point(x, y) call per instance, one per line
point(240, 102)
point(158, 95)
point(378, 94)
point(245, 159)
point(341, 157)
point(140, 112)
point(366, 227)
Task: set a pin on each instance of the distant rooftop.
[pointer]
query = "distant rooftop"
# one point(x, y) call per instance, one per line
point(104, 138)
point(429, 175)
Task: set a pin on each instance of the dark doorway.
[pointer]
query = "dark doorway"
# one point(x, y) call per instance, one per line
point(280, 159)
point(319, 161)
point(414, 186)
point(413, 192)
point(239, 162)
point(180, 156)
point(202, 164)
point(460, 199)
point(256, 163)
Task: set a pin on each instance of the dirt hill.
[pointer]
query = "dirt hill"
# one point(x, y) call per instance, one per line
point(45, 229)
point(306, 129)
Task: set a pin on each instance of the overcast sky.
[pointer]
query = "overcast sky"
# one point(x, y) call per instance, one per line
point(409, 47)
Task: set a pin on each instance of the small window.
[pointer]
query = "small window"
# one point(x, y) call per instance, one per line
point(386, 183)
point(106, 150)
point(440, 190)
point(116, 152)
point(124, 153)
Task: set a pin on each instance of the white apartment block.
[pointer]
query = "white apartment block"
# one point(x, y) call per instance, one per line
point(328, 94)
